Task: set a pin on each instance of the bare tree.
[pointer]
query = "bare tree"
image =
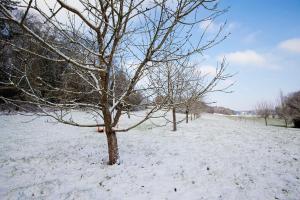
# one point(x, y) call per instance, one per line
point(184, 85)
point(264, 109)
point(201, 84)
point(282, 109)
point(170, 81)
point(98, 38)
point(196, 109)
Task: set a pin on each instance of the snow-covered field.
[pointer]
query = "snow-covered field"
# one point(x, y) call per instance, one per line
point(210, 158)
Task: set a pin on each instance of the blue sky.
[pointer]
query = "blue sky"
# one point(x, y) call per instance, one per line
point(263, 48)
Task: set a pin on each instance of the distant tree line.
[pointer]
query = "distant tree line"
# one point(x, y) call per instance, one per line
point(48, 75)
point(286, 108)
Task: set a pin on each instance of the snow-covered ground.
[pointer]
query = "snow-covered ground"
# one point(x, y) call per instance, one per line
point(210, 158)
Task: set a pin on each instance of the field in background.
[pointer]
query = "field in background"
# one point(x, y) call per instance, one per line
point(213, 157)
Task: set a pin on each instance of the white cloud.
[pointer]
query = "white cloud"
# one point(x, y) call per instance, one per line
point(213, 27)
point(251, 37)
point(232, 26)
point(291, 45)
point(247, 57)
point(207, 69)
point(209, 26)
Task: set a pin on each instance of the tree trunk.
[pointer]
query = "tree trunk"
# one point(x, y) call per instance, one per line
point(113, 151)
point(112, 143)
point(286, 124)
point(191, 116)
point(174, 118)
point(187, 116)
point(266, 121)
point(128, 114)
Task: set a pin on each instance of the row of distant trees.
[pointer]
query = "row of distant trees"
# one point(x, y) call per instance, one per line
point(107, 57)
point(286, 108)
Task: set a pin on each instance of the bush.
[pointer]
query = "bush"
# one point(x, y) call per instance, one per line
point(293, 103)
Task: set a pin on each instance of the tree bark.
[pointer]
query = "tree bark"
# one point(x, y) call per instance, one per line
point(266, 121)
point(187, 115)
point(174, 118)
point(113, 151)
point(128, 114)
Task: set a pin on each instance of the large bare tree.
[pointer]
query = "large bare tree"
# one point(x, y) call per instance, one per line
point(96, 39)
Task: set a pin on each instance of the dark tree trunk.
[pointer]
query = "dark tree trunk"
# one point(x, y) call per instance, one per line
point(112, 142)
point(128, 114)
point(113, 151)
point(187, 116)
point(266, 122)
point(286, 124)
point(174, 119)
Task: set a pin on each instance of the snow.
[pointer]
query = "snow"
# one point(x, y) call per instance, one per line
point(212, 157)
